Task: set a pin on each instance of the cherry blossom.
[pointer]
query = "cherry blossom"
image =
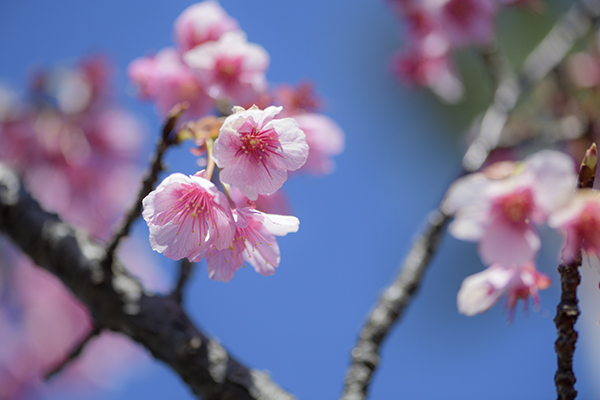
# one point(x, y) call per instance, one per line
point(481, 291)
point(231, 68)
point(255, 151)
point(579, 221)
point(200, 23)
point(499, 211)
point(166, 80)
point(324, 138)
point(468, 21)
point(186, 215)
point(253, 242)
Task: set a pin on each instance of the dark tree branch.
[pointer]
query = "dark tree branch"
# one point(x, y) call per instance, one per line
point(365, 355)
point(148, 183)
point(487, 133)
point(118, 302)
point(74, 354)
point(567, 310)
point(185, 270)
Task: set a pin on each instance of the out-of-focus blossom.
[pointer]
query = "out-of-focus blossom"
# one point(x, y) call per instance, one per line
point(297, 99)
point(40, 324)
point(579, 221)
point(584, 69)
point(255, 151)
point(499, 213)
point(324, 138)
point(80, 162)
point(481, 291)
point(187, 215)
point(231, 68)
point(275, 203)
point(468, 21)
point(200, 23)
point(167, 81)
point(429, 66)
point(254, 242)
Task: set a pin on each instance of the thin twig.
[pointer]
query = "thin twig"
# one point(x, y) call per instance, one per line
point(156, 166)
point(486, 131)
point(74, 354)
point(567, 310)
point(185, 270)
point(157, 322)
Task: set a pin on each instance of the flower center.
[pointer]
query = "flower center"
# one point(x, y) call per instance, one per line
point(260, 145)
point(517, 206)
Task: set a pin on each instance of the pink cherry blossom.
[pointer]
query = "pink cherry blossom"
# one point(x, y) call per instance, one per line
point(275, 203)
point(166, 80)
point(428, 63)
point(579, 221)
point(324, 138)
point(231, 68)
point(255, 151)
point(254, 242)
point(468, 21)
point(200, 23)
point(186, 215)
point(481, 291)
point(499, 213)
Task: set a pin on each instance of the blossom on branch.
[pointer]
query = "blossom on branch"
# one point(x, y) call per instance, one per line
point(579, 221)
point(187, 215)
point(165, 79)
point(254, 242)
point(231, 68)
point(479, 292)
point(200, 23)
point(255, 151)
point(498, 207)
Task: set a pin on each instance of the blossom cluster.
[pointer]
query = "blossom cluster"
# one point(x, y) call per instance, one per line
point(434, 30)
point(77, 152)
point(212, 65)
point(189, 217)
point(230, 215)
point(500, 207)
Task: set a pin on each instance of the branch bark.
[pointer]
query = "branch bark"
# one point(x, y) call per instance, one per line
point(119, 303)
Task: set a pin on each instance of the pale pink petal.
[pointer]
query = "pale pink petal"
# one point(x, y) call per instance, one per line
point(479, 292)
point(507, 244)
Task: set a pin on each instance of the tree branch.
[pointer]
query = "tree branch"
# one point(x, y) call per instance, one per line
point(148, 183)
point(120, 304)
point(567, 310)
point(487, 133)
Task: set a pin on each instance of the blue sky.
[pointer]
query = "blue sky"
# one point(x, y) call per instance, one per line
point(356, 225)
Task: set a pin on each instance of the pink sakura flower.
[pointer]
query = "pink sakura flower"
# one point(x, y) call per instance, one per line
point(166, 80)
point(481, 291)
point(187, 215)
point(255, 151)
point(579, 221)
point(324, 138)
point(429, 64)
point(231, 68)
point(468, 21)
point(499, 212)
point(254, 242)
point(200, 23)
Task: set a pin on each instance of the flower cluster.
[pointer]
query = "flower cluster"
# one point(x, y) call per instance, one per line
point(189, 217)
point(435, 29)
point(211, 61)
point(77, 152)
point(499, 208)
point(212, 65)
point(266, 137)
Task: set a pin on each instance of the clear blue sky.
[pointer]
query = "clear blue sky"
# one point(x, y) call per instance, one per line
point(356, 224)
